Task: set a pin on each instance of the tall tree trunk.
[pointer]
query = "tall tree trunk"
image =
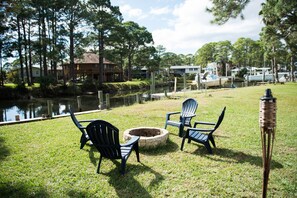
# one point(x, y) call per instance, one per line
point(44, 44)
point(20, 49)
point(129, 66)
point(101, 56)
point(122, 65)
point(26, 52)
point(276, 69)
point(54, 44)
point(30, 53)
point(2, 77)
point(292, 69)
point(71, 48)
point(40, 42)
point(274, 65)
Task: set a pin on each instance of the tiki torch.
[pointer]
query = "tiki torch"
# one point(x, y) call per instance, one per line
point(267, 121)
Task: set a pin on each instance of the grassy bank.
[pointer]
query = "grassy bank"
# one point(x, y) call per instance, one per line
point(43, 159)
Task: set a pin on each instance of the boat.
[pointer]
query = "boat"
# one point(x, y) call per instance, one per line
point(210, 80)
point(264, 74)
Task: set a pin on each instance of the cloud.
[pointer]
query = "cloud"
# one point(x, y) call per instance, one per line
point(132, 13)
point(190, 27)
point(160, 11)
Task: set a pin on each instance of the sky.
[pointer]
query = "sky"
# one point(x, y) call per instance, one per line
point(183, 26)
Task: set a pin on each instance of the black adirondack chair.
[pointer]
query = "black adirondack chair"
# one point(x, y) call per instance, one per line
point(84, 136)
point(203, 136)
point(105, 138)
point(189, 108)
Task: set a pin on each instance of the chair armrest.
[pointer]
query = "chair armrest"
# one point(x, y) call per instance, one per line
point(132, 141)
point(190, 115)
point(86, 121)
point(82, 127)
point(171, 113)
point(183, 118)
point(200, 130)
point(203, 123)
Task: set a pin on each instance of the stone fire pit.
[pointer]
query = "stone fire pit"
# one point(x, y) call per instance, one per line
point(150, 137)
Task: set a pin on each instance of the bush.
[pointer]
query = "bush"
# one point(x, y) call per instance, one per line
point(89, 85)
point(242, 72)
point(46, 82)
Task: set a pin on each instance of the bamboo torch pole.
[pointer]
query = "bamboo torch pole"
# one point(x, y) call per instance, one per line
point(267, 122)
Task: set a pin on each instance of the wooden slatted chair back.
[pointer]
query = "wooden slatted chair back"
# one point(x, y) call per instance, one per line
point(105, 138)
point(189, 107)
point(76, 122)
point(220, 119)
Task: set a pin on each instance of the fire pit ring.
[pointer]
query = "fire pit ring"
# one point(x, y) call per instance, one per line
point(150, 137)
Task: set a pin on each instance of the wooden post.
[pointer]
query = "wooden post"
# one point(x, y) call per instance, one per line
point(137, 99)
point(78, 98)
point(107, 101)
point(100, 100)
point(153, 84)
point(175, 81)
point(49, 108)
point(199, 81)
point(185, 83)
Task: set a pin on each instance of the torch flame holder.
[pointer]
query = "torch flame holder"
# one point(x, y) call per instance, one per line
point(267, 122)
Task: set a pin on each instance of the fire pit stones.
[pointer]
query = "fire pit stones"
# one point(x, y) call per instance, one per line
point(150, 137)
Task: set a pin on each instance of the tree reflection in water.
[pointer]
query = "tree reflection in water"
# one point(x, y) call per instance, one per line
point(28, 109)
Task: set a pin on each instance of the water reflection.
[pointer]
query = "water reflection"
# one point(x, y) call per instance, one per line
point(27, 109)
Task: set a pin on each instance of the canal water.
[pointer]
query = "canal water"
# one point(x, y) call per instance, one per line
point(38, 107)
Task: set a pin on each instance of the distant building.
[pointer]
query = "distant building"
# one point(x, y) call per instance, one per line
point(35, 73)
point(59, 71)
point(186, 69)
point(88, 65)
point(235, 71)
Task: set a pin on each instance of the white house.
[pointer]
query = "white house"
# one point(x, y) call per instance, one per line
point(35, 72)
point(185, 69)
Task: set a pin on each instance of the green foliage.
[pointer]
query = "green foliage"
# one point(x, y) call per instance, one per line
point(247, 52)
point(43, 159)
point(89, 85)
point(137, 39)
point(205, 54)
point(224, 10)
point(280, 19)
point(124, 86)
point(242, 72)
point(46, 81)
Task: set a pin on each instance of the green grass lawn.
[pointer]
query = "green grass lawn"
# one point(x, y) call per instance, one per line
point(43, 159)
point(12, 85)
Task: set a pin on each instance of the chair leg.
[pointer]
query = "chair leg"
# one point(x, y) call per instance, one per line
point(100, 159)
point(136, 149)
point(182, 145)
point(181, 131)
point(212, 140)
point(83, 141)
point(207, 145)
point(123, 166)
point(165, 125)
